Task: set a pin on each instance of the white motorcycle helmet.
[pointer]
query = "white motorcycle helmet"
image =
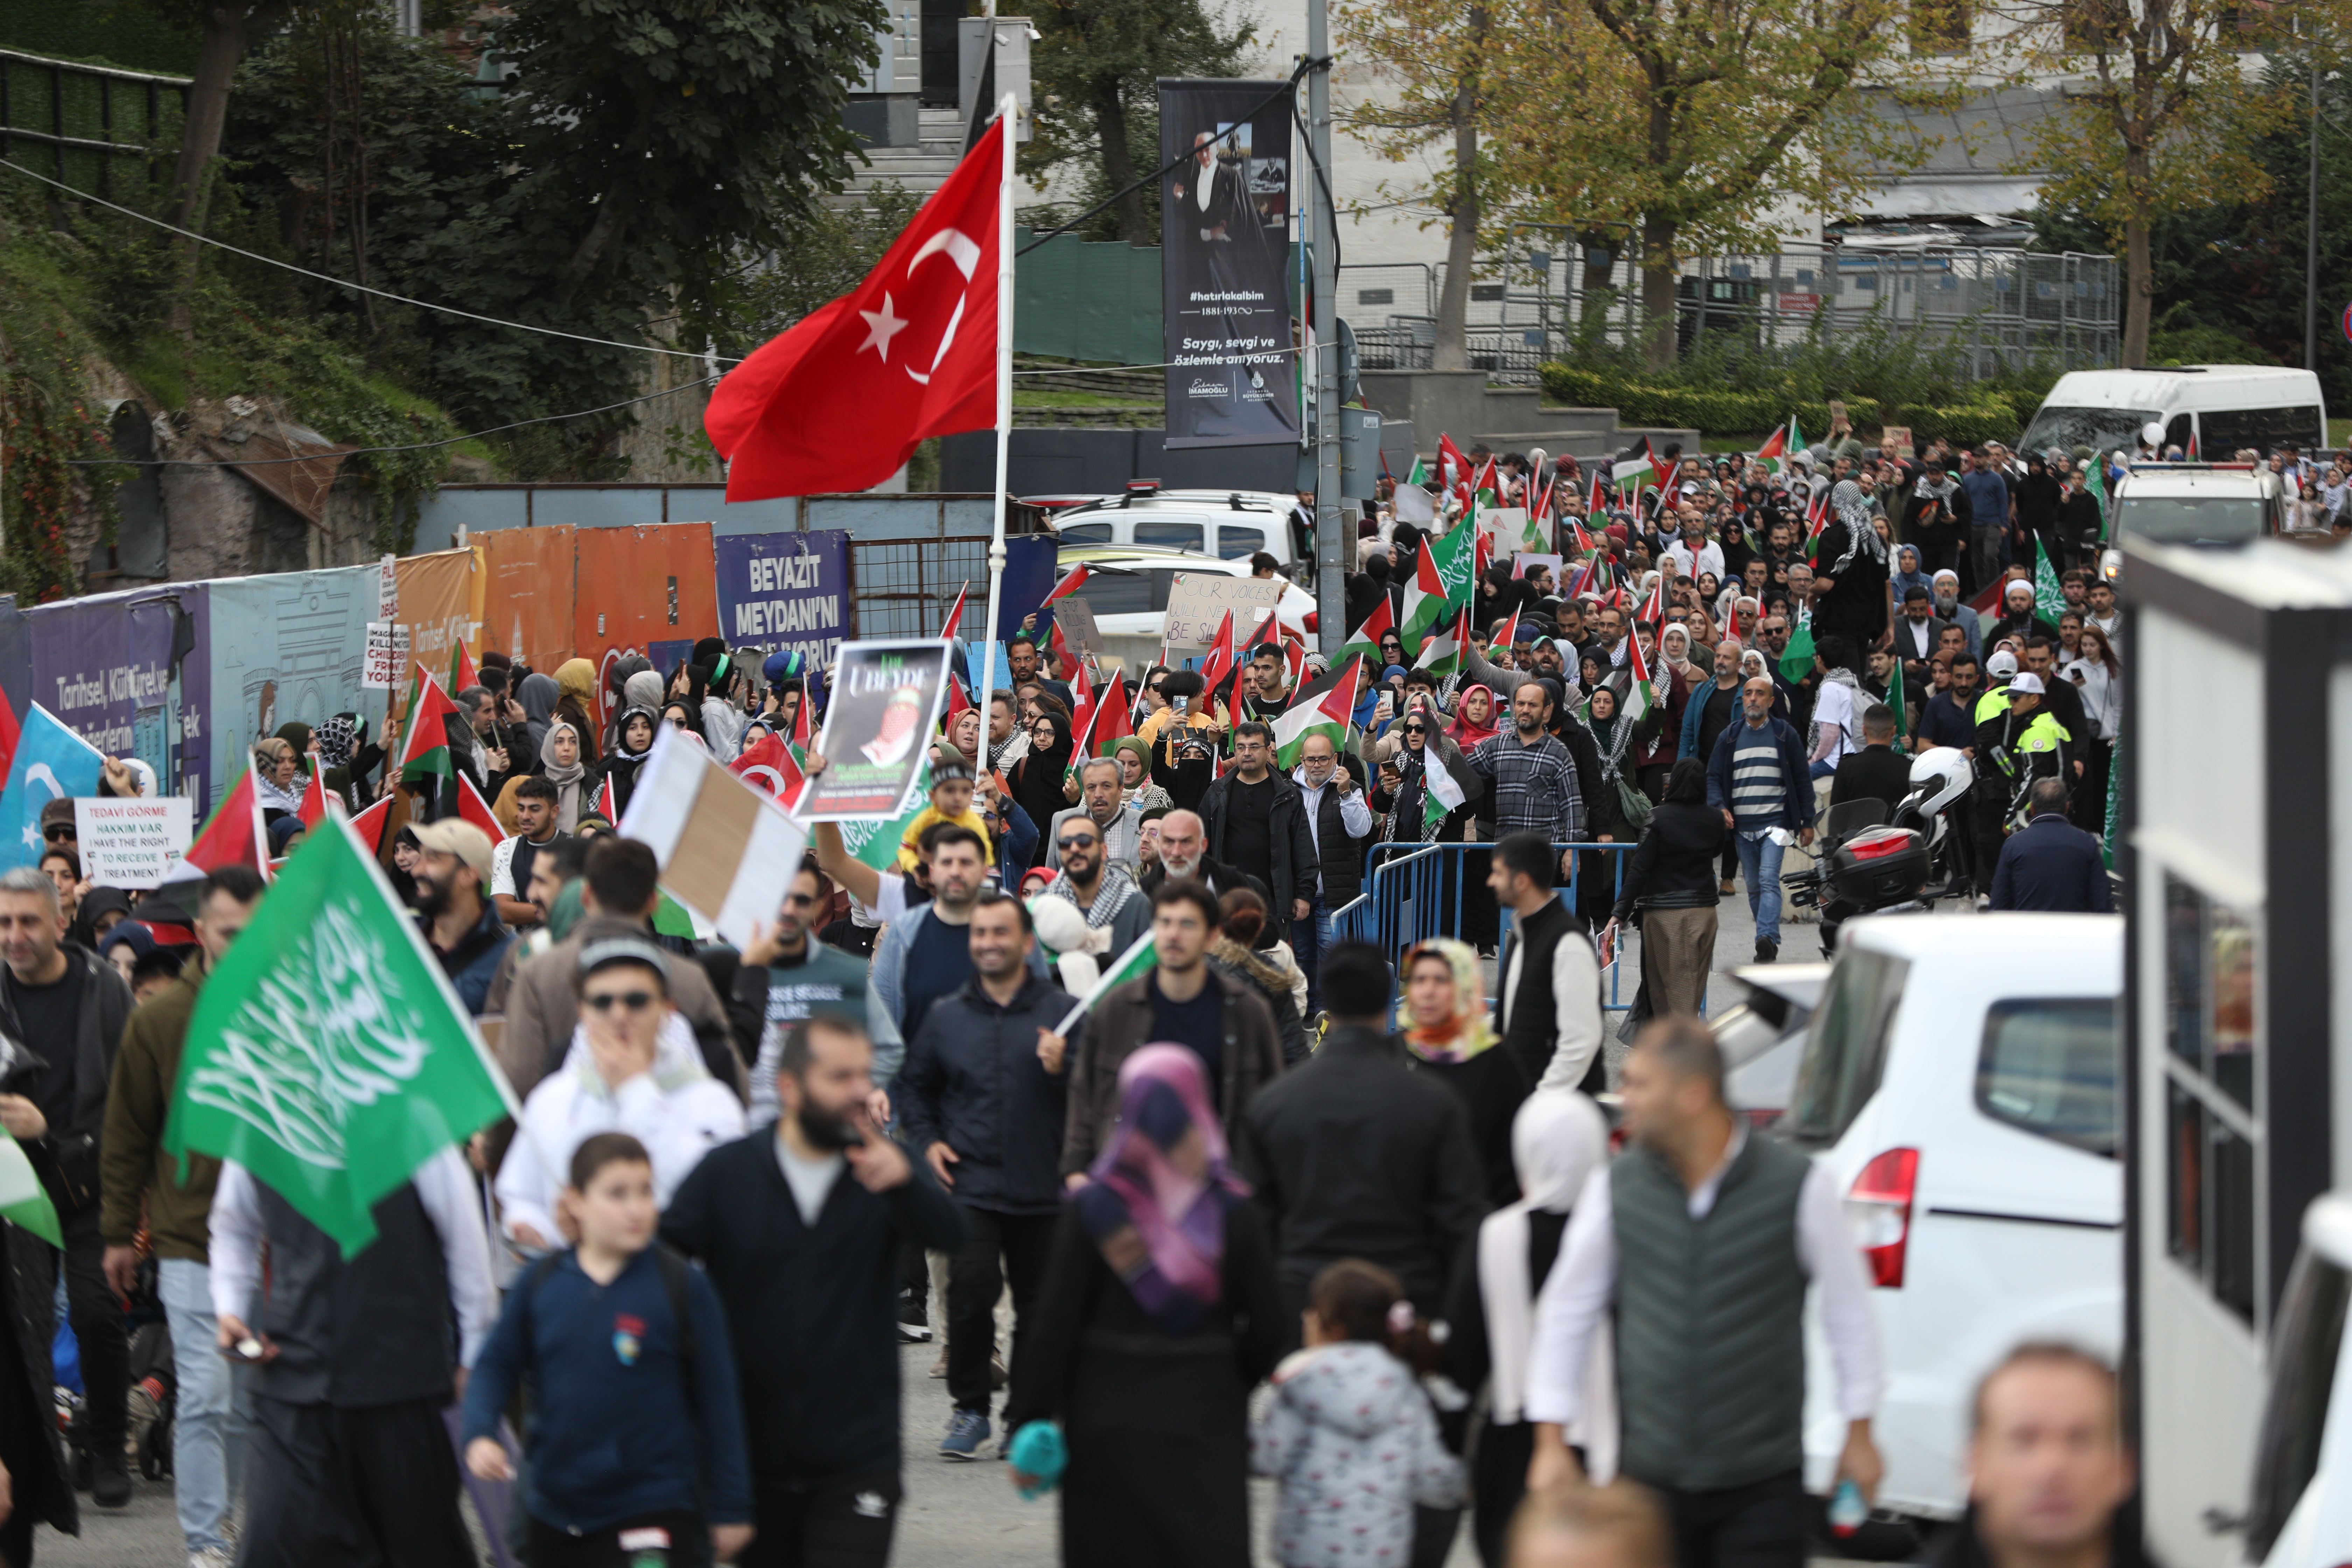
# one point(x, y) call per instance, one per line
point(1939, 777)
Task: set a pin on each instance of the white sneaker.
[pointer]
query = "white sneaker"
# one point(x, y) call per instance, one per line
point(210, 1557)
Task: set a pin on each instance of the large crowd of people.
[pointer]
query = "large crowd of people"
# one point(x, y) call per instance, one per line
point(1280, 1204)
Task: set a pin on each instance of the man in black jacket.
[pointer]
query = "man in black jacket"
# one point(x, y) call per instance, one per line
point(65, 1008)
point(2050, 864)
point(1877, 771)
point(1354, 1155)
point(1255, 823)
point(808, 1266)
point(984, 1095)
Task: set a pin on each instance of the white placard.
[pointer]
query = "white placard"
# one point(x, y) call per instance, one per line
point(387, 589)
point(1197, 602)
point(387, 656)
point(131, 842)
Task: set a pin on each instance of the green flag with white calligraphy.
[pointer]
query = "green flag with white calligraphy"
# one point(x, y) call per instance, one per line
point(328, 1054)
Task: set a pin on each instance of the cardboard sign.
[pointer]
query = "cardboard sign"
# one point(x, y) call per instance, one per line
point(1901, 433)
point(1076, 619)
point(132, 843)
point(387, 656)
point(884, 709)
point(1197, 602)
point(387, 588)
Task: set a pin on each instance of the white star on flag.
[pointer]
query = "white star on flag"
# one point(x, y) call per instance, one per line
point(881, 326)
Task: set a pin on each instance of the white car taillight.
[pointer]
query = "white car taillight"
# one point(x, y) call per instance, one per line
point(1879, 1206)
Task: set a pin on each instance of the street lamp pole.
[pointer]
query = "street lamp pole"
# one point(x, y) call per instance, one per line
point(2311, 239)
point(1335, 541)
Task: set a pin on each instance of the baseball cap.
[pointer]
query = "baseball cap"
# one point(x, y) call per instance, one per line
point(2003, 663)
point(613, 950)
point(468, 843)
point(57, 813)
point(2028, 682)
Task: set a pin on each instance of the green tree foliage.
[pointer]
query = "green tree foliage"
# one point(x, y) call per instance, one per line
point(1094, 75)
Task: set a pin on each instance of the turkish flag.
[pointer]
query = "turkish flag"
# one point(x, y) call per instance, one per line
point(841, 401)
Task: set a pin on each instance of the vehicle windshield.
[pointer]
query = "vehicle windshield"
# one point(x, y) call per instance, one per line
point(1846, 1050)
point(2295, 1417)
point(2104, 430)
point(2191, 519)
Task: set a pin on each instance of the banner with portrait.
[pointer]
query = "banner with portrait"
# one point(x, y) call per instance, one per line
point(884, 709)
point(1223, 264)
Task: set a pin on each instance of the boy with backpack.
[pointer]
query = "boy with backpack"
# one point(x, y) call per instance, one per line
point(636, 1440)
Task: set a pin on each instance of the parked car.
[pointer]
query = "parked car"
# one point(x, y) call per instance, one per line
point(1961, 1081)
point(2300, 1515)
point(1127, 586)
point(1762, 1037)
point(1232, 525)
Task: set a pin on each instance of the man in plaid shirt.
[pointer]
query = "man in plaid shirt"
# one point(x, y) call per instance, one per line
point(1536, 789)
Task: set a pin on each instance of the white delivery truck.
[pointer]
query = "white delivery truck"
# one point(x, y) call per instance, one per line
point(2209, 411)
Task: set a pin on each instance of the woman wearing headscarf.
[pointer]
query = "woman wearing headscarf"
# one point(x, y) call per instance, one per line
point(617, 687)
point(1404, 781)
point(538, 694)
point(1614, 736)
point(643, 690)
point(1448, 1035)
point(1557, 1139)
point(1476, 716)
point(1249, 952)
point(1671, 681)
point(1908, 574)
point(1160, 1297)
point(575, 682)
point(632, 739)
point(296, 735)
point(1671, 879)
point(347, 760)
point(277, 778)
point(1037, 777)
point(560, 763)
point(1136, 787)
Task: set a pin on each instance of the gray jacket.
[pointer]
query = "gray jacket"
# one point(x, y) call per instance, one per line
point(1354, 1444)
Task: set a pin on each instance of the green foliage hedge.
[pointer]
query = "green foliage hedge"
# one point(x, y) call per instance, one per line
point(1991, 413)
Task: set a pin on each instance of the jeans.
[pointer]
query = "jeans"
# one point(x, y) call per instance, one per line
point(215, 1397)
point(1825, 768)
point(1309, 938)
point(1760, 1525)
point(1760, 868)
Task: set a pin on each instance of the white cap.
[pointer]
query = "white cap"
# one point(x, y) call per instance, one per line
point(2024, 683)
point(2001, 663)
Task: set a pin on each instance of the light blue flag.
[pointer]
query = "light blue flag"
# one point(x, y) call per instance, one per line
point(52, 764)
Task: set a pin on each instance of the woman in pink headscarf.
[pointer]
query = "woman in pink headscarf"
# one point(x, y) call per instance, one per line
point(1476, 717)
point(1159, 1311)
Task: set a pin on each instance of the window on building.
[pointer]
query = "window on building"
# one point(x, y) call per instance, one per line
point(1940, 26)
point(1486, 290)
point(2213, 1049)
point(1375, 296)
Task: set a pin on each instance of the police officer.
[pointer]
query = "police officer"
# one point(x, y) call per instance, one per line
point(1989, 804)
point(2037, 745)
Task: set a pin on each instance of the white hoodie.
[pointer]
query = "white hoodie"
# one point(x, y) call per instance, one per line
point(677, 1110)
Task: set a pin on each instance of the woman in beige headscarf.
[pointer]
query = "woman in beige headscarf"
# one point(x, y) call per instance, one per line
point(576, 678)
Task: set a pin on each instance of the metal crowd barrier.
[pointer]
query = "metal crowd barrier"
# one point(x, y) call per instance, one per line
point(1416, 891)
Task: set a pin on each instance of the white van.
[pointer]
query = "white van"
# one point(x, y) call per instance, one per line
point(1960, 1081)
point(1232, 525)
point(2301, 1516)
point(2209, 411)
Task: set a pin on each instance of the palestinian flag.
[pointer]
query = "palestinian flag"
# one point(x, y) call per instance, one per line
point(1653, 608)
point(1366, 638)
point(1446, 789)
point(369, 824)
point(1486, 486)
point(1218, 667)
point(1065, 663)
point(607, 804)
point(1639, 694)
point(1639, 470)
point(1542, 511)
point(1441, 584)
point(1796, 436)
point(1442, 654)
point(1063, 589)
point(1817, 519)
point(473, 808)
point(462, 674)
point(1326, 706)
point(314, 801)
point(426, 752)
point(1598, 499)
point(1412, 502)
point(957, 704)
point(24, 1202)
point(1132, 964)
point(1536, 536)
point(231, 836)
point(1453, 468)
point(955, 616)
point(1505, 635)
point(1082, 720)
point(1113, 719)
point(1774, 453)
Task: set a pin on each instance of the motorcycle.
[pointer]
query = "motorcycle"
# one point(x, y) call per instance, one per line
point(1868, 865)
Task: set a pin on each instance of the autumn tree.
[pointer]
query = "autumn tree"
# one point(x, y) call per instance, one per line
point(2162, 115)
point(1431, 59)
point(1705, 124)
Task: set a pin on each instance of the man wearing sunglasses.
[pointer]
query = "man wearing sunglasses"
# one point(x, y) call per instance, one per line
point(1103, 889)
point(629, 1070)
point(787, 976)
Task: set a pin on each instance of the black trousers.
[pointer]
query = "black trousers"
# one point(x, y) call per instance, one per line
point(624, 1546)
point(1986, 811)
point(844, 1521)
point(997, 1248)
point(370, 1487)
point(98, 1329)
point(1760, 1525)
point(2087, 809)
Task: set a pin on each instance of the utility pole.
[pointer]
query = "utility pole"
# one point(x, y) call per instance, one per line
point(2311, 240)
point(1334, 541)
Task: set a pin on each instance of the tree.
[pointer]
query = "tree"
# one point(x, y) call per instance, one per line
point(2163, 114)
point(1704, 123)
point(1436, 53)
point(1094, 80)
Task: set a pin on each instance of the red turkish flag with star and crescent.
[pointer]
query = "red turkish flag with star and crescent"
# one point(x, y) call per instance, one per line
point(842, 400)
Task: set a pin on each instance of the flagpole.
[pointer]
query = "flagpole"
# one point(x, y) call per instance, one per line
point(1008, 111)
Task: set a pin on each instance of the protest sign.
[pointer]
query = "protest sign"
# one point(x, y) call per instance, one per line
point(387, 588)
point(128, 843)
point(779, 592)
point(387, 656)
point(1898, 433)
point(1197, 602)
point(885, 704)
point(1527, 561)
point(1076, 619)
